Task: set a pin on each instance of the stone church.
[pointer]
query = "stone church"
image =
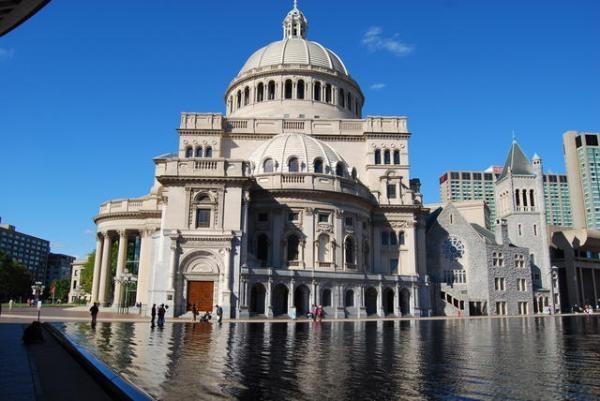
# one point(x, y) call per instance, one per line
point(292, 198)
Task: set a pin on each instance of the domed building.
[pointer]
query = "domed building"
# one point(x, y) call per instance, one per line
point(290, 199)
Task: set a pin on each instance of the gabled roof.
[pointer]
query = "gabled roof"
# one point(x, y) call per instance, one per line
point(516, 162)
point(484, 233)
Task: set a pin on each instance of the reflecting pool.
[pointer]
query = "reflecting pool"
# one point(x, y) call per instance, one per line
point(552, 358)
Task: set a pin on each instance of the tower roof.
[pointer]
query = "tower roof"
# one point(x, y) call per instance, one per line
point(516, 162)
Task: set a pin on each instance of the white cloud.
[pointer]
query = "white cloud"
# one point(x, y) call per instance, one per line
point(374, 40)
point(88, 231)
point(378, 86)
point(58, 245)
point(6, 54)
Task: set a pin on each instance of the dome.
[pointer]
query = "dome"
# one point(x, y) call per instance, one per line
point(295, 51)
point(283, 147)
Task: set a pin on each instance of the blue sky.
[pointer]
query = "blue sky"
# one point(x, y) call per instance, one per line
point(91, 91)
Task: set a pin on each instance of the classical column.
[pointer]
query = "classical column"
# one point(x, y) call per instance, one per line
point(225, 292)
point(291, 306)
point(97, 261)
point(121, 259)
point(172, 265)
point(397, 311)
point(245, 215)
point(315, 292)
point(380, 311)
point(105, 270)
point(144, 267)
point(415, 308)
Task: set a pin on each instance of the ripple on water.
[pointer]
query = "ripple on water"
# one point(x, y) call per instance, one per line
point(486, 359)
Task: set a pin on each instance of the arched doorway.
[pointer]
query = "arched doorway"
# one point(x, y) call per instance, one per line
point(301, 300)
point(388, 301)
point(405, 302)
point(371, 301)
point(257, 299)
point(280, 300)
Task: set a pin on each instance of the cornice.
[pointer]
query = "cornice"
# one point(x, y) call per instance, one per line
point(142, 214)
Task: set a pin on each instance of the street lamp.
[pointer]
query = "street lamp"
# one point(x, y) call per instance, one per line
point(125, 279)
point(37, 289)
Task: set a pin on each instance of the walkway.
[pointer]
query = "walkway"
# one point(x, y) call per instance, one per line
point(41, 372)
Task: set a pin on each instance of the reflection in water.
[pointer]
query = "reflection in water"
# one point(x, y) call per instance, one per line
point(512, 359)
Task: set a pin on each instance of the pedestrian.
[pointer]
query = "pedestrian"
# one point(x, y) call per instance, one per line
point(94, 312)
point(219, 314)
point(153, 314)
point(320, 312)
point(161, 315)
point(314, 311)
point(10, 304)
point(194, 312)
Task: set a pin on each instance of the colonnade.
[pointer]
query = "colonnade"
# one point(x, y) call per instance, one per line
point(103, 276)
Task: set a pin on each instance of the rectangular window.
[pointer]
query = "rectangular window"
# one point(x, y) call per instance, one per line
point(591, 140)
point(523, 308)
point(499, 283)
point(349, 221)
point(477, 176)
point(488, 177)
point(535, 230)
point(454, 176)
point(501, 308)
point(385, 238)
point(293, 216)
point(263, 217)
point(466, 176)
point(202, 218)
point(393, 266)
point(323, 217)
point(391, 191)
point(578, 141)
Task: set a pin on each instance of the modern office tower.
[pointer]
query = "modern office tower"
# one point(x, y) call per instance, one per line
point(58, 268)
point(558, 203)
point(465, 185)
point(582, 159)
point(30, 251)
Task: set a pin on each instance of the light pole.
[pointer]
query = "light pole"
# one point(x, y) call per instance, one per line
point(37, 289)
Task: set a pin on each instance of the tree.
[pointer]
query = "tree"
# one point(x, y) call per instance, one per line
point(87, 273)
point(15, 279)
point(62, 288)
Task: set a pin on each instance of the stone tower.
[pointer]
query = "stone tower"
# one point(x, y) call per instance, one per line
point(519, 196)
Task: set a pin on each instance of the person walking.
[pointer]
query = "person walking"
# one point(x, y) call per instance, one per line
point(161, 315)
point(153, 315)
point(320, 313)
point(94, 312)
point(219, 314)
point(194, 313)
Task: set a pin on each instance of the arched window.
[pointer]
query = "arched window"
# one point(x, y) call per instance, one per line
point(268, 166)
point(525, 198)
point(353, 173)
point(349, 250)
point(318, 166)
point(292, 247)
point(208, 152)
point(288, 89)
point(317, 92)
point(349, 101)
point(300, 90)
point(189, 152)
point(531, 202)
point(203, 210)
point(199, 151)
point(396, 156)
point(262, 247)
point(271, 90)
point(239, 99)
point(401, 238)
point(341, 98)
point(246, 96)
point(260, 92)
point(349, 301)
point(517, 198)
point(377, 156)
point(386, 157)
point(326, 297)
point(293, 166)
point(339, 170)
point(356, 108)
point(328, 93)
point(393, 238)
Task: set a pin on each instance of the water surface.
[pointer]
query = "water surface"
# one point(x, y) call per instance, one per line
point(491, 359)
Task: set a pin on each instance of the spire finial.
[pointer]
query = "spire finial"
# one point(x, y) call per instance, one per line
point(514, 136)
point(295, 4)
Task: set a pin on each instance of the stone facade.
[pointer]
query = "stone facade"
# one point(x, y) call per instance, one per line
point(288, 200)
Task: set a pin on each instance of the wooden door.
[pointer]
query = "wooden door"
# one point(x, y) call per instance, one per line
point(201, 294)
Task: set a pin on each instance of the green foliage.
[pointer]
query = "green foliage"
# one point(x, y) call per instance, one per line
point(87, 274)
point(62, 289)
point(15, 279)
